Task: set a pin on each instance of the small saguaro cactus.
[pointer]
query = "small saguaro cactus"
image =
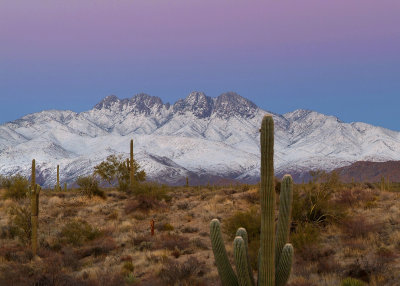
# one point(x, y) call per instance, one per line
point(65, 187)
point(275, 254)
point(34, 193)
point(57, 188)
point(131, 168)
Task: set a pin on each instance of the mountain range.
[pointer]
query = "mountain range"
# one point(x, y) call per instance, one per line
point(206, 139)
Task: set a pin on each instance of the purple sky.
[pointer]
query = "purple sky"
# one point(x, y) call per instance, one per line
point(336, 57)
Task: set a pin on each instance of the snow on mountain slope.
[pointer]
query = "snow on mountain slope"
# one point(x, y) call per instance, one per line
point(197, 136)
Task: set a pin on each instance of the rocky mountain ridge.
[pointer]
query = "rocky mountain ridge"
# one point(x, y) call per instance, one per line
point(204, 138)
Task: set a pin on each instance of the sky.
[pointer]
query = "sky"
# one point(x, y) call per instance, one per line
point(337, 57)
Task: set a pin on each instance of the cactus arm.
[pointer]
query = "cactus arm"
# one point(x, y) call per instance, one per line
point(285, 209)
point(267, 196)
point(225, 271)
point(284, 265)
point(243, 233)
point(240, 254)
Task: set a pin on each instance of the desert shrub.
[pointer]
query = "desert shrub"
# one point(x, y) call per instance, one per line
point(186, 273)
point(77, 232)
point(97, 247)
point(4, 182)
point(358, 226)
point(200, 244)
point(167, 227)
point(252, 197)
point(20, 220)
point(183, 206)
point(328, 264)
point(90, 186)
point(351, 282)
point(17, 187)
point(70, 258)
point(372, 264)
point(313, 202)
point(172, 242)
point(142, 203)
point(153, 190)
point(251, 221)
point(107, 276)
point(305, 239)
point(190, 229)
point(15, 253)
point(15, 274)
point(115, 168)
point(346, 197)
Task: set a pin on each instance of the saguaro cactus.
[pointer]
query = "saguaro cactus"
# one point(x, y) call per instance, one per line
point(34, 193)
point(275, 254)
point(57, 187)
point(131, 168)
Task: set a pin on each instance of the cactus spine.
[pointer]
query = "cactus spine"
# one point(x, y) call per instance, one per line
point(275, 254)
point(34, 193)
point(131, 168)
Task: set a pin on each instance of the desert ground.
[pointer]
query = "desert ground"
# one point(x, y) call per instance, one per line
point(338, 231)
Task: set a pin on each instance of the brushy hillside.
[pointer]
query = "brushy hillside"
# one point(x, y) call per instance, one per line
point(338, 231)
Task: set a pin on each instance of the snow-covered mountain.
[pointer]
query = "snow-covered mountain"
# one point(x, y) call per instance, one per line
point(201, 137)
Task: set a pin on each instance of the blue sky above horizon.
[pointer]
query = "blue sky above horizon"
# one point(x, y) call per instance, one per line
point(340, 58)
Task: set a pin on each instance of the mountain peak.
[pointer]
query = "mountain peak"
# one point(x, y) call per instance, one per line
point(196, 102)
point(144, 103)
point(231, 103)
point(107, 102)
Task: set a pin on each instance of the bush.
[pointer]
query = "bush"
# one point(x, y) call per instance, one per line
point(305, 239)
point(142, 203)
point(20, 218)
point(313, 203)
point(251, 221)
point(172, 242)
point(153, 190)
point(17, 187)
point(98, 247)
point(358, 226)
point(186, 273)
point(90, 187)
point(77, 232)
point(115, 168)
point(351, 282)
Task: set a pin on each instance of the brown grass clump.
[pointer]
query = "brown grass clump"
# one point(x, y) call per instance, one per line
point(359, 226)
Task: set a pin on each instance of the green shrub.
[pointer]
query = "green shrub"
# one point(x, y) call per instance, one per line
point(167, 227)
point(153, 191)
point(251, 221)
point(351, 282)
point(17, 187)
point(90, 187)
point(20, 220)
point(306, 234)
point(78, 232)
point(115, 168)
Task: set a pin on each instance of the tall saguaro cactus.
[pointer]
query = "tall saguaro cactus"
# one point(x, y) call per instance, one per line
point(275, 254)
point(131, 168)
point(58, 188)
point(34, 193)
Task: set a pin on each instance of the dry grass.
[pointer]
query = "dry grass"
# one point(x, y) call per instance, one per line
point(117, 248)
